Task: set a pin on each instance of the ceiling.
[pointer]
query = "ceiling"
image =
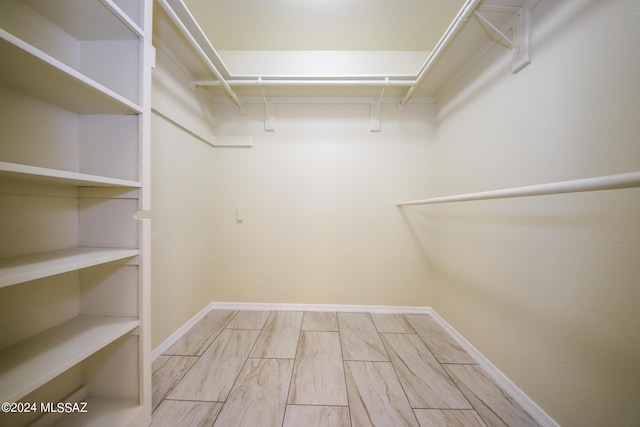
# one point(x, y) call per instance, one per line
point(406, 25)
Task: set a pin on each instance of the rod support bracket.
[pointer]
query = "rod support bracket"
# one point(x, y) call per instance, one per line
point(376, 110)
point(269, 110)
point(521, 39)
point(521, 29)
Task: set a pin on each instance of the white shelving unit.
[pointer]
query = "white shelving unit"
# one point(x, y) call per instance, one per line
point(74, 153)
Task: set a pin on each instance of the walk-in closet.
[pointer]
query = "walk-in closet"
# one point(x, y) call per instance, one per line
point(319, 213)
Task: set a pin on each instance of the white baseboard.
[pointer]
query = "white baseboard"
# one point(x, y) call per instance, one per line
point(342, 308)
point(539, 415)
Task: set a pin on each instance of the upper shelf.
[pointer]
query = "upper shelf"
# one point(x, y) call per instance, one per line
point(32, 71)
point(470, 38)
point(90, 19)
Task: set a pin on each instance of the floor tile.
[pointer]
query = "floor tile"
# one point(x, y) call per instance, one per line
point(424, 380)
point(310, 369)
point(198, 338)
point(172, 413)
point(359, 338)
point(212, 377)
point(259, 396)
point(316, 416)
point(318, 375)
point(249, 320)
point(441, 344)
point(167, 371)
point(448, 418)
point(279, 337)
point(494, 406)
point(320, 321)
point(376, 397)
point(391, 323)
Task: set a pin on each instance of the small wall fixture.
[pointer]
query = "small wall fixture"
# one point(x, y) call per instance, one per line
point(521, 28)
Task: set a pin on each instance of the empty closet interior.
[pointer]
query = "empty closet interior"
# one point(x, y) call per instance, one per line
point(160, 159)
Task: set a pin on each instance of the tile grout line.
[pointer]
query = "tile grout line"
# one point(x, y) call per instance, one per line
point(446, 372)
point(193, 400)
point(239, 370)
point(214, 337)
point(395, 371)
point(344, 368)
point(166, 395)
point(293, 370)
point(194, 363)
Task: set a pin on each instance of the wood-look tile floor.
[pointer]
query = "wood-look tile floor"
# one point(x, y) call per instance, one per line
point(295, 369)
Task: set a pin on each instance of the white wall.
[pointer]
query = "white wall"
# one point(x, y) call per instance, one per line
point(317, 198)
point(547, 287)
point(182, 203)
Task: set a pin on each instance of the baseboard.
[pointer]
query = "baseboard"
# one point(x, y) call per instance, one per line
point(538, 414)
point(342, 308)
point(171, 339)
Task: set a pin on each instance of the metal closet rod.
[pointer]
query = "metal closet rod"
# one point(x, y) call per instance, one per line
point(463, 15)
point(608, 182)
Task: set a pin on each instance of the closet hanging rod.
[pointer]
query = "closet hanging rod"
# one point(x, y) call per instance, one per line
point(608, 182)
point(457, 23)
point(185, 32)
point(312, 82)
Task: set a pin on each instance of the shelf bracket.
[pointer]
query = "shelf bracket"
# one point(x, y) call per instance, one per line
point(520, 41)
point(376, 114)
point(269, 110)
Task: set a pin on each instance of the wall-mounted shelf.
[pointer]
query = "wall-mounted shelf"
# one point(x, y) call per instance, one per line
point(24, 268)
point(32, 71)
point(466, 36)
point(55, 176)
point(108, 20)
point(31, 363)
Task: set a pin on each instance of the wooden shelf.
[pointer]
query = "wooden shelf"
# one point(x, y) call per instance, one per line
point(29, 364)
point(36, 266)
point(89, 20)
point(33, 72)
point(56, 176)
